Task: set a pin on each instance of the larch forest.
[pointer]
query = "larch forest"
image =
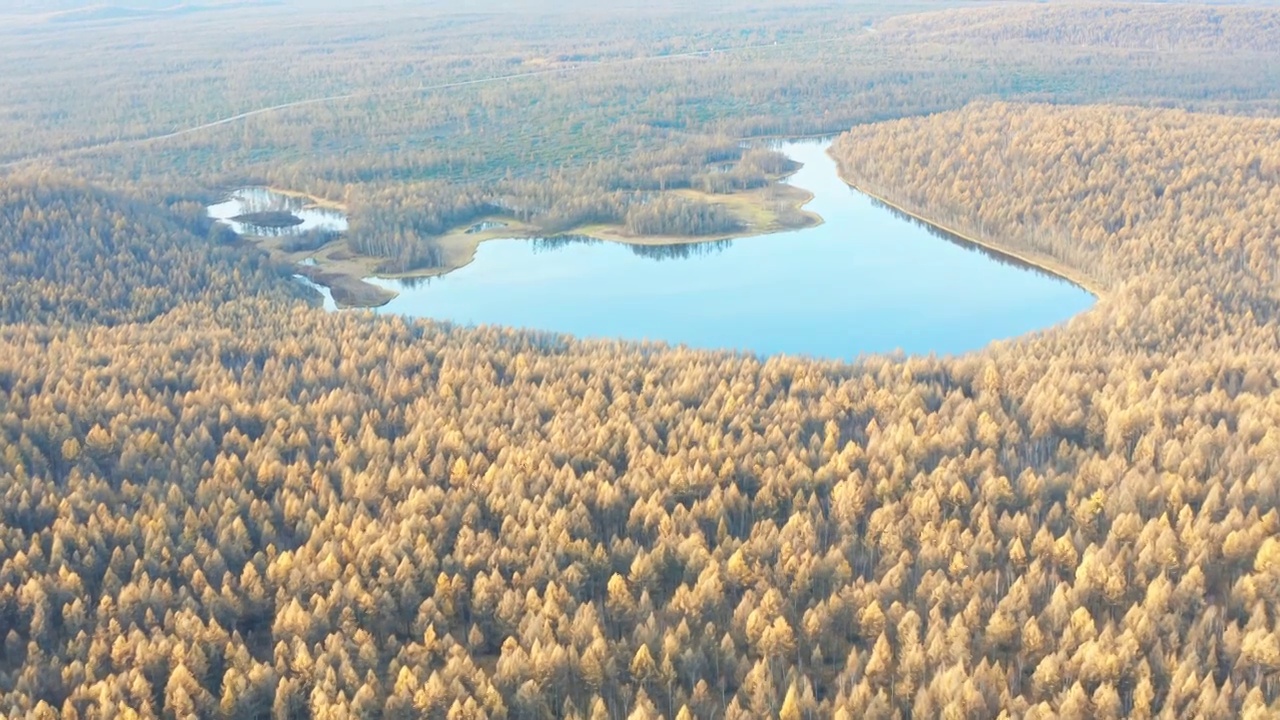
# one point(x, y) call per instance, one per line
point(221, 501)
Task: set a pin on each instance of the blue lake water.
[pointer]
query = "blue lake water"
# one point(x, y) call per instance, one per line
point(865, 281)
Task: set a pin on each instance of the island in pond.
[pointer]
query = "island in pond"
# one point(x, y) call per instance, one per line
point(270, 219)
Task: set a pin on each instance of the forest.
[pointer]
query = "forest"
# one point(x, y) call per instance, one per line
point(422, 120)
point(219, 501)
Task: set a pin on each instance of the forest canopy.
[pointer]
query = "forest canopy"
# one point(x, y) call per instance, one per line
point(218, 500)
point(423, 120)
point(248, 507)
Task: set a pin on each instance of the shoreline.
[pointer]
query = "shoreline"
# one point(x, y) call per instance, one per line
point(1048, 265)
point(316, 201)
point(347, 276)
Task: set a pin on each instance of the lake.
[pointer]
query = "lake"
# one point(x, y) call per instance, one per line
point(868, 280)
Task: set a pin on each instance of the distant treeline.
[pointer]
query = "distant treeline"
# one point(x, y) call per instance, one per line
point(605, 120)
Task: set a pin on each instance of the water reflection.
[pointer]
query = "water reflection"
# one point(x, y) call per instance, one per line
point(326, 296)
point(552, 244)
point(682, 251)
point(411, 283)
point(864, 281)
point(485, 226)
point(314, 225)
point(561, 242)
point(677, 251)
point(963, 242)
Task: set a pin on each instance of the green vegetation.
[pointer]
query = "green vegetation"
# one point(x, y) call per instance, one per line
point(217, 501)
point(421, 120)
point(270, 219)
point(663, 219)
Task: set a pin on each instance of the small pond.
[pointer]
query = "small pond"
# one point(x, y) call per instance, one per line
point(245, 205)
